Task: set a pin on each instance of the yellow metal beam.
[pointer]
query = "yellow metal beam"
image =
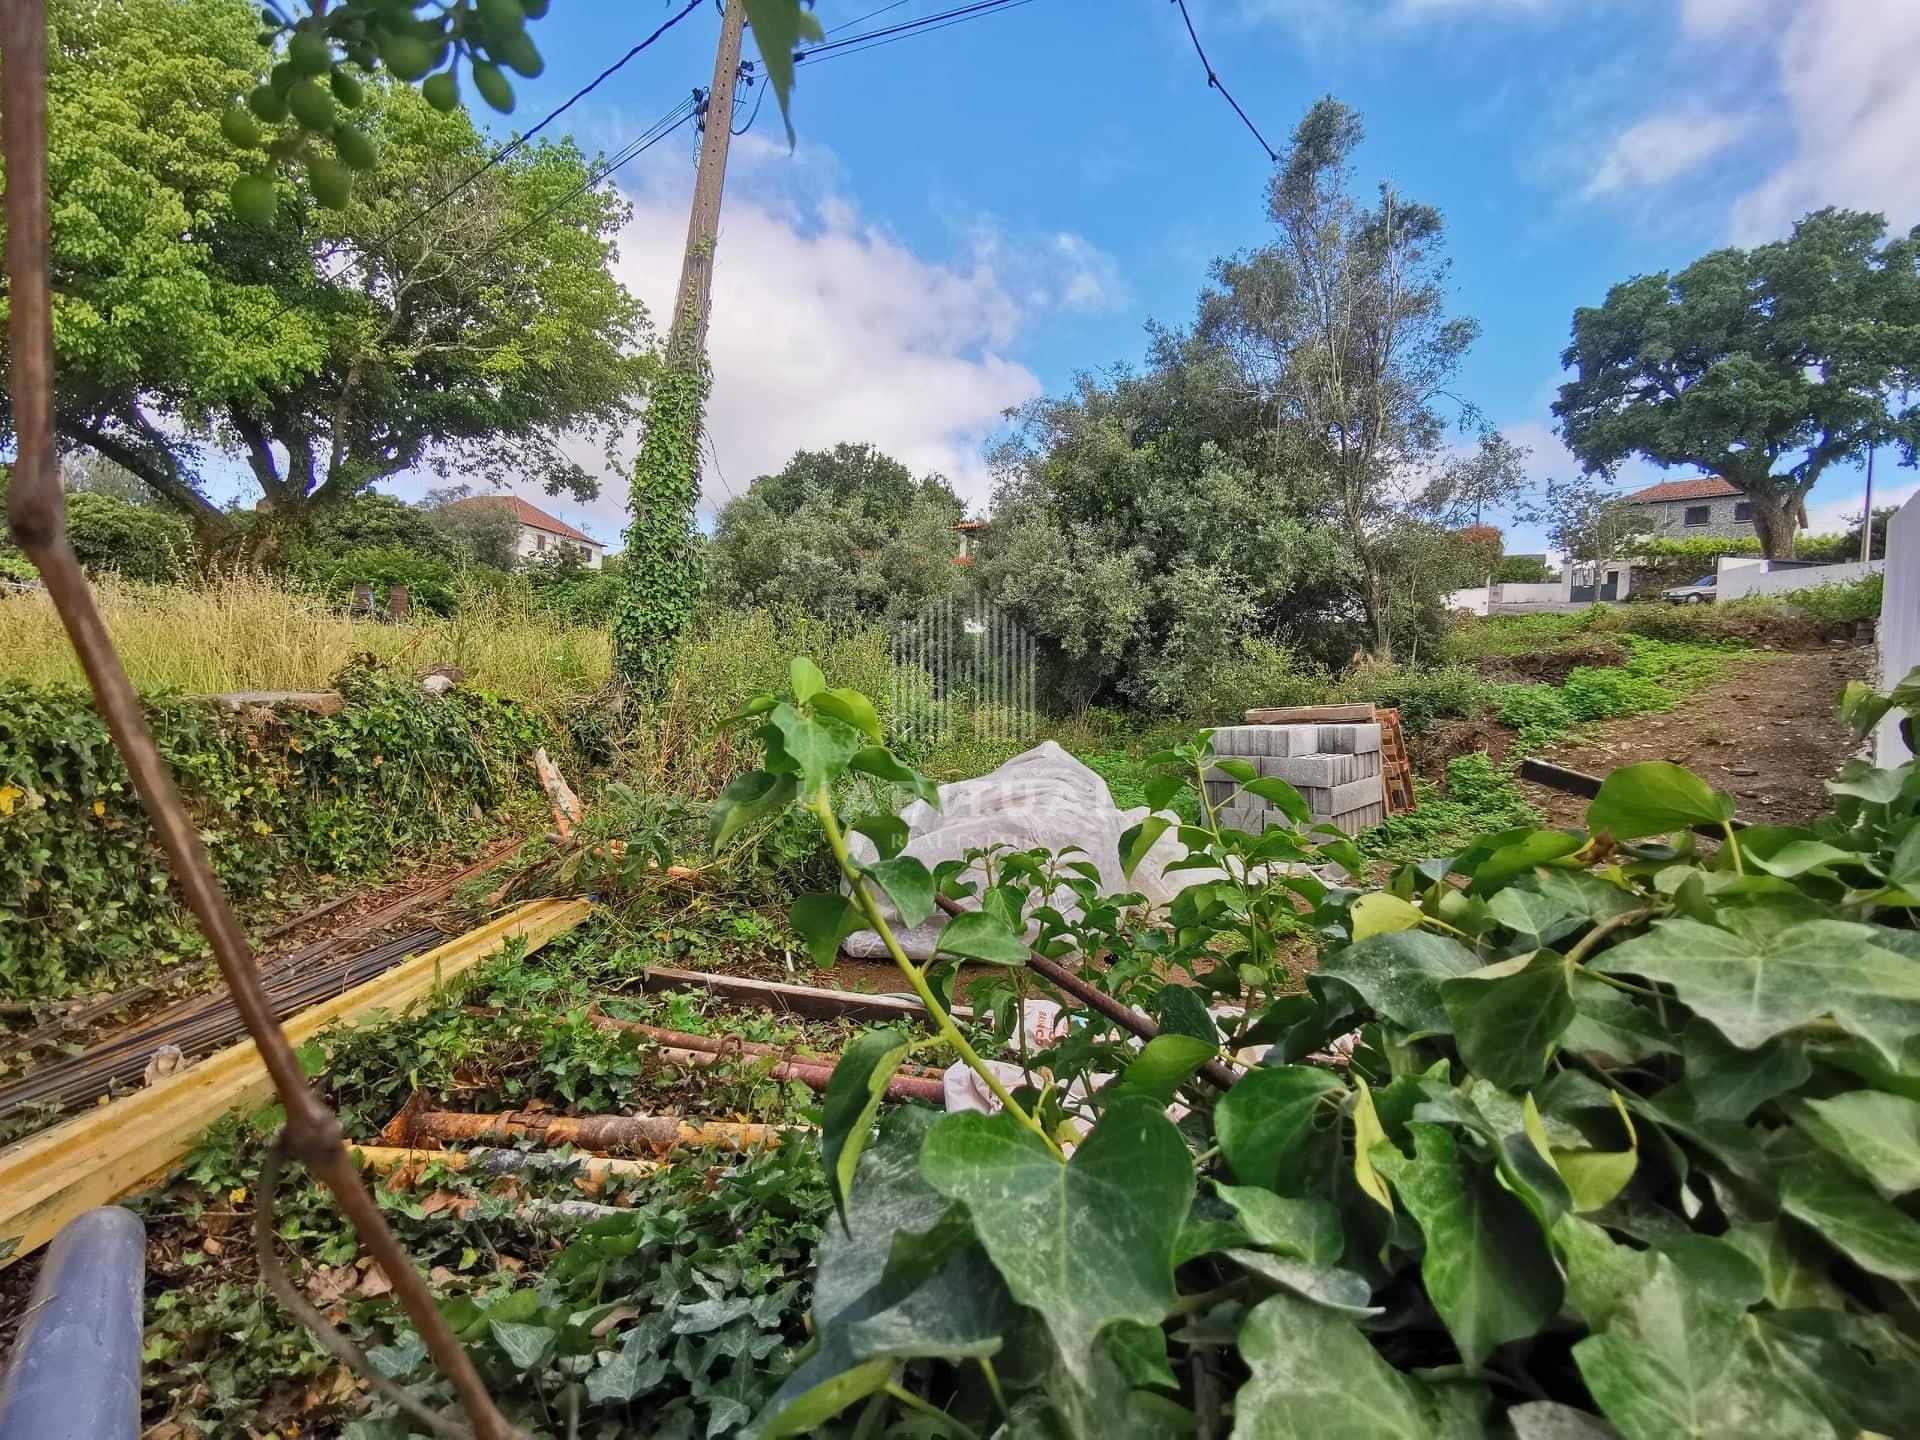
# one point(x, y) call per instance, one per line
point(92, 1159)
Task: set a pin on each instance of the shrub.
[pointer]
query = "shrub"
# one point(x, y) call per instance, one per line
point(1259, 675)
point(1847, 600)
point(430, 580)
point(85, 896)
point(1522, 570)
point(1422, 696)
point(137, 542)
point(372, 521)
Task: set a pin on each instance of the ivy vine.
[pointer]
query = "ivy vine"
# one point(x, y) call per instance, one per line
point(663, 559)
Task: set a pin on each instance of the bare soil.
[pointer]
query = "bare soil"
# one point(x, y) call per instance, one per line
point(1767, 732)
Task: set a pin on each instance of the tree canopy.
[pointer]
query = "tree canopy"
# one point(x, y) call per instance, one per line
point(330, 348)
point(1766, 366)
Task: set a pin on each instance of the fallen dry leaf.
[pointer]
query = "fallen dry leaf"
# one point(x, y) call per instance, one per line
point(616, 1316)
point(375, 1282)
point(329, 1283)
point(213, 1246)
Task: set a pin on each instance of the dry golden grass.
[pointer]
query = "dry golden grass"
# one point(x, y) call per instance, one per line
point(247, 633)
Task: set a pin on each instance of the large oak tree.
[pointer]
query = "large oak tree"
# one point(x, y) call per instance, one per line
point(1766, 366)
point(486, 337)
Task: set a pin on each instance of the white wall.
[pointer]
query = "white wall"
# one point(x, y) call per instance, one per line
point(1762, 579)
point(1514, 593)
point(1473, 601)
point(1899, 623)
point(528, 544)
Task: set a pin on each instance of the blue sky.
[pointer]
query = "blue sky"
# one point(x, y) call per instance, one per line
point(973, 215)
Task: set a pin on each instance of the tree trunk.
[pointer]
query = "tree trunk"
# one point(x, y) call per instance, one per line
point(1773, 522)
point(1377, 608)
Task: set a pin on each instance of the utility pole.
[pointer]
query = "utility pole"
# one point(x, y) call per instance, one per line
point(1866, 513)
point(692, 301)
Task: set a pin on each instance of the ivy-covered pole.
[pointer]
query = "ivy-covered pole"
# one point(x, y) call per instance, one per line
point(663, 564)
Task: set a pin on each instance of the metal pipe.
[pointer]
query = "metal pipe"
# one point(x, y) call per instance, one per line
point(653, 1134)
point(74, 1373)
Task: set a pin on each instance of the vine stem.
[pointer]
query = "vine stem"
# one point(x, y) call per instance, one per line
point(822, 806)
point(933, 1412)
point(1733, 848)
point(1606, 927)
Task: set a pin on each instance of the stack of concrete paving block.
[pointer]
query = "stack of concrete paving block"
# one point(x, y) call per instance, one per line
point(1336, 769)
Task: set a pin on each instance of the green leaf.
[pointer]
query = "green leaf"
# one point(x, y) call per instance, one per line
point(747, 799)
point(1305, 1229)
point(1265, 1122)
point(883, 764)
point(1728, 1083)
point(1282, 796)
point(1140, 1353)
point(636, 1367)
point(1313, 1375)
point(1367, 1134)
point(1085, 1243)
point(887, 832)
point(907, 883)
point(1532, 914)
point(778, 28)
point(1378, 913)
point(1165, 1063)
point(1486, 1266)
point(1593, 1177)
point(1521, 857)
point(1655, 798)
point(1399, 975)
point(823, 921)
point(1241, 770)
point(1791, 1277)
point(1797, 857)
point(1183, 1011)
point(1508, 1017)
point(807, 679)
point(1862, 707)
point(1866, 782)
point(977, 935)
point(851, 708)
point(1161, 789)
point(1137, 840)
point(1876, 1133)
point(1674, 1361)
point(819, 747)
point(1758, 985)
point(853, 1095)
point(1612, 1025)
point(1324, 1285)
point(752, 710)
point(1550, 1420)
point(1853, 1219)
point(525, 1345)
point(1862, 1372)
point(825, 1384)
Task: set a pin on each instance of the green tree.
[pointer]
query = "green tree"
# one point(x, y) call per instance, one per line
point(373, 521)
point(138, 542)
point(484, 534)
point(1584, 520)
point(1765, 366)
point(1339, 327)
point(333, 347)
point(846, 533)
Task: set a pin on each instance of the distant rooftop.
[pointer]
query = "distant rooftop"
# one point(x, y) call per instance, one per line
point(532, 516)
point(1701, 487)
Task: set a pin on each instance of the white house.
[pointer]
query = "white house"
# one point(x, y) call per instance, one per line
point(540, 532)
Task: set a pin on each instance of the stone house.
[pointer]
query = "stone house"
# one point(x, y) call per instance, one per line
point(539, 532)
point(1705, 507)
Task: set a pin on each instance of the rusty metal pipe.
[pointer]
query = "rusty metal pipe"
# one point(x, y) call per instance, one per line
point(603, 1134)
point(900, 1087)
point(36, 511)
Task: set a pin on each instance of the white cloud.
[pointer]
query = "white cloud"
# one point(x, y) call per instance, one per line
point(1833, 517)
point(1850, 72)
point(1665, 147)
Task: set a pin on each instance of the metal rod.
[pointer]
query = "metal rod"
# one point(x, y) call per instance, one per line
point(36, 511)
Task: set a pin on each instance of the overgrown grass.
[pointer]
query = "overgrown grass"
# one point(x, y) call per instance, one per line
point(1480, 798)
point(1657, 676)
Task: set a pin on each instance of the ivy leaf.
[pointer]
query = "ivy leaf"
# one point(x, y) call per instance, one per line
point(806, 678)
point(1857, 1368)
point(747, 799)
point(1674, 1361)
point(1085, 1243)
point(1853, 1219)
point(525, 1345)
point(883, 764)
point(1508, 1017)
point(1399, 975)
point(1530, 913)
point(908, 884)
point(1282, 796)
point(1876, 1133)
point(1137, 840)
point(1612, 1025)
point(889, 833)
point(853, 1095)
point(818, 746)
point(1306, 1229)
point(1140, 1354)
point(1729, 1083)
point(850, 707)
point(1313, 1374)
point(1550, 1420)
point(823, 921)
point(1265, 1122)
point(1340, 1290)
point(1486, 1266)
point(977, 935)
point(1655, 798)
point(1521, 857)
point(636, 1367)
point(1754, 986)
point(1368, 1133)
point(1165, 1063)
point(778, 28)
point(1791, 1277)
point(1378, 913)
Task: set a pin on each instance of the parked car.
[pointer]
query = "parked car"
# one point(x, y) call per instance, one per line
point(1700, 592)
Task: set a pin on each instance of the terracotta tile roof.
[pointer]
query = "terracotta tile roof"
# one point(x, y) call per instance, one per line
point(1701, 487)
point(531, 516)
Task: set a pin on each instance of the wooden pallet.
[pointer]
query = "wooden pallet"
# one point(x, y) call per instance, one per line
point(1396, 769)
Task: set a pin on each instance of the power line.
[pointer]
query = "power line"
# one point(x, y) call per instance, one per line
point(756, 111)
point(854, 43)
point(1213, 81)
point(862, 19)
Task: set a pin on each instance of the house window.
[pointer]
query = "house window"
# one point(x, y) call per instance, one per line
point(540, 538)
point(1697, 515)
point(1742, 510)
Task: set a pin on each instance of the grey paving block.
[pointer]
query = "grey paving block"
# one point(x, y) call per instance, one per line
point(1320, 770)
point(1293, 739)
point(1239, 740)
point(1364, 817)
point(1355, 794)
point(1349, 739)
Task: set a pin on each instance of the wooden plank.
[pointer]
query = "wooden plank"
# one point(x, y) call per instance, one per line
point(94, 1158)
point(815, 1003)
point(1361, 714)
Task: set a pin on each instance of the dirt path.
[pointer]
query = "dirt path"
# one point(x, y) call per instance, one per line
point(1766, 731)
